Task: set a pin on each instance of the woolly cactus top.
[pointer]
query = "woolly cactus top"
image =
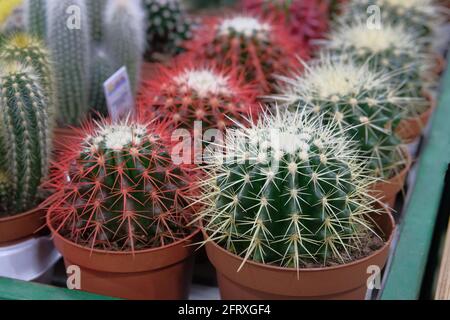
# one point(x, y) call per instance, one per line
point(290, 190)
point(246, 26)
point(204, 82)
point(116, 137)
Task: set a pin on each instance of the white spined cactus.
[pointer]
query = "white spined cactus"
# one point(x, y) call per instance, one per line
point(288, 191)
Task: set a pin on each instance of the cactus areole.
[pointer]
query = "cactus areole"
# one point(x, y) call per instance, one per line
point(118, 189)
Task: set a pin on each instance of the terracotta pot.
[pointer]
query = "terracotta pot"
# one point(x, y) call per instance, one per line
point(259, 281)
point(410, 129)
point(21, 226)
point(161, 273)
point(387, 191)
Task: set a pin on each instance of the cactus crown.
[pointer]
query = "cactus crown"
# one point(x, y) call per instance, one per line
point(197, 92)
point(354, 97)
point(290, 190)
point(251, 47)
point(118, 189)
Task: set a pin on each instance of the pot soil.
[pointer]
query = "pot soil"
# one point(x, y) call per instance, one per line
point(19, 227)
point(162, 273)
point(410, 129)
point(387, 191)
point(259, 281)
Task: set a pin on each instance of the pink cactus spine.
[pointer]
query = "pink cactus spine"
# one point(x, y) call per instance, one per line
point(116, 188)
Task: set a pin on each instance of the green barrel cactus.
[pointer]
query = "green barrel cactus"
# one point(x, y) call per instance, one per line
point(363, 104)
point(69, 43)
point(391, 50)
point(124, 34)
point(290, 190)
point(24, 134)
point(36, 17)
point(168, 26)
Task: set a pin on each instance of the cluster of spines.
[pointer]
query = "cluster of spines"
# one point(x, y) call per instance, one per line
point(363, 103)
point(252, 47)
point(25, 133)
point(189, 93)
point(70, 50)
point(290, 190)
point(123, 192)
point(168, 26)
point(125, 36)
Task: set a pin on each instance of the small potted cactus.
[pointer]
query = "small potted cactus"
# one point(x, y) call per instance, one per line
point(366, 107)
point(398, 53)
point(305, 20)
point(252, 47)
point(189, 91)
point(120, 211)
point(288, 213)
point(25, 135)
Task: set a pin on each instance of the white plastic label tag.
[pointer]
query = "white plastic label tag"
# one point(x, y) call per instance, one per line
point(119, 97)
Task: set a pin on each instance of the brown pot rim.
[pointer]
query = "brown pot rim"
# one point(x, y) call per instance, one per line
point(403, 172)
point(56, 234)
point(387, 243)
point(36, 209)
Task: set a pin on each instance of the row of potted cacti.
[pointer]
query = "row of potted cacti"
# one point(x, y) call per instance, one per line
point(287, 196)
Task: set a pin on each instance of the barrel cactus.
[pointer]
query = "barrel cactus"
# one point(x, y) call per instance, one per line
point(251, 47)
point(421, 17)
point(168, 26)
point(125, 36)
point(25, 135)
point(391, 50)
point(363, 103)
point(118, 189)
point(70, 50)
point(290, 191)
point(305, 20)
point(190, 92)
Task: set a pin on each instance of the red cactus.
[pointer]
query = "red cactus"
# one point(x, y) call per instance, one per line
point(254, 48)
point(190, 91)
point(116, 188)
point(305, 20)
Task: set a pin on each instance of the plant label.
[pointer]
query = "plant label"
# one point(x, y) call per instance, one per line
point(119, 97)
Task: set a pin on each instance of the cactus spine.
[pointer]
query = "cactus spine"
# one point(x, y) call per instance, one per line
point(25, 133)
point(96, 9)
point(36, 17)
point(70, 49)
point(363, 103)
point(124, 192)
point(125, 36)
point(290, 191)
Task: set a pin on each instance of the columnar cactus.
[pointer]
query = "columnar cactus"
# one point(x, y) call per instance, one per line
point(118, 189)
point(168, 26)
point(102, 67)
point(290, 191)
point(363, 103)
point(36, 17)
point(192, 92)
point(25, 133)
point(391, 50)
point(5, 188)
point(250, 46)
point(69, 44)
point(305, 20)
point(125, 36)
point(96, 9)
